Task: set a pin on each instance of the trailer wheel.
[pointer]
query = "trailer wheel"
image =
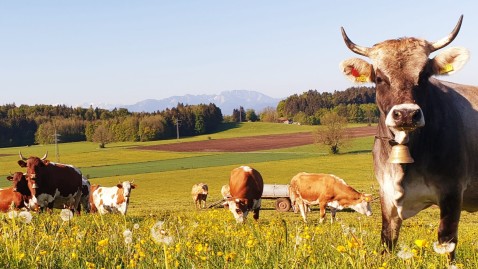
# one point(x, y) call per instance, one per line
point(283, 204)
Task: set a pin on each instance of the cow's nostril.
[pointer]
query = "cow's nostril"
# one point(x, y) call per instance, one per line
point(397, 115)
point(416, 115)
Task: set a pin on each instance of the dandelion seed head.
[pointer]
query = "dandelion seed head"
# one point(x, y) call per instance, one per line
point(405, 254)
point(443, 247)
point(127, 233)
point(25, 216)
point(136, 226)
point(66, 214)
point(12, 214)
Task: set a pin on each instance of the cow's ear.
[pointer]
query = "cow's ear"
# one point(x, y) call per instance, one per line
point(449, 61)
point(133, 186)
point(119, 186)
point(9, 178)
point(22, 163)
point(357, 70)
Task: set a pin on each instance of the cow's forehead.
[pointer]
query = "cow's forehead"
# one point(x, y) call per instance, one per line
point(401, 59)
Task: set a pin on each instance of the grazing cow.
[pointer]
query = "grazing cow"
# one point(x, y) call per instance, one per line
point(326, 190)
point(10, 198)
point(199, 193)
point(225, 191)
point(85, 195)
point(436, 120)
point(246, 186)
point(113, 199)
point(52, 185)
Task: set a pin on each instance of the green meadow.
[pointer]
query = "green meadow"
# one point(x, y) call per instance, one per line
point(163, 230)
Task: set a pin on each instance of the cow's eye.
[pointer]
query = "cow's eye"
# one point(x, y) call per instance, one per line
point(378, 80)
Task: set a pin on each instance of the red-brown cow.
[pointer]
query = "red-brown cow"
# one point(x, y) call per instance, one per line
point(326, 190)
point(52, 185)
point(246, 186)
point(10, 198)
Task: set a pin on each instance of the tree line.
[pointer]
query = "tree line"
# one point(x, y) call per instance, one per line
point(42, 124)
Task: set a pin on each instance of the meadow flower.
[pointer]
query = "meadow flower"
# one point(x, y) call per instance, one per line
point(128, 240)
point(159, 235)
point(66, 214)
point(421, 243)
point(405, 254)
point(103, 242)
point(25, 216)
point(136, 226)
point(443, 247)
point(127, 233)
point(341, 249)
point(12, 214)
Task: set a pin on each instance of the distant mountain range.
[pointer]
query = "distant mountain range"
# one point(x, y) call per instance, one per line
point(227, 101)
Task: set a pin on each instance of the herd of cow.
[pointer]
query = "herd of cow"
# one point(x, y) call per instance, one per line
point(48, 185)
point(436, 121)
point(244, 192)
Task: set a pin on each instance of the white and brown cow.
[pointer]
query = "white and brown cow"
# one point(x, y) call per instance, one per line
point(245, 186)
point(112, 199)
point(199, 193)
point(308, 189)
point(436, 120)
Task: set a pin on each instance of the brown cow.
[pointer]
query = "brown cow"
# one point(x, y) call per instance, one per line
point(199, 193)
point(52, 185)
point(246, 186)
point(93, 188)
point(436, 120)
point(10, 198)
point(326, 190)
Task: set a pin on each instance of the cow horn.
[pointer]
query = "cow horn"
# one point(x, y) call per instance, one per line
point(21, 156)
point(448, 39)
point(364, 51)
point(44, 156)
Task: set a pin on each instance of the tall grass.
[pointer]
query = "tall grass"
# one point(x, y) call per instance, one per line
point(187, 238)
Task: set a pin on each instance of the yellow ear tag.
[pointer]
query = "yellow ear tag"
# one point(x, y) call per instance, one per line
point(361, 78)
point(368, 198)
point(446, 69)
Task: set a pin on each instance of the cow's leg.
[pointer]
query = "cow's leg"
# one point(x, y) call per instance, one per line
point(391, 224)
point(333, 211)
point(450, 210)
point(322, 206)
point(302, 209)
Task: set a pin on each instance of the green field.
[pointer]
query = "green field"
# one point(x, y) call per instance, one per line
point(211, 238)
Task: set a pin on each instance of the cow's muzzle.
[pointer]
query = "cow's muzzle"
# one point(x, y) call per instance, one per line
point(405, 117)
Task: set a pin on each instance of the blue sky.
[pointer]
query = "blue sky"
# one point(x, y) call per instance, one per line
point(122, 52)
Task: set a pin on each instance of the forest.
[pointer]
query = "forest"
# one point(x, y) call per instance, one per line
point(46, 124)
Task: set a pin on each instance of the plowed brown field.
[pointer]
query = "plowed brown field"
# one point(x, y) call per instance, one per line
point(254, 143)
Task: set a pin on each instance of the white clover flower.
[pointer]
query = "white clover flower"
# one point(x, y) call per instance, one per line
point(443, 248)
point(25, 216)
point(66, 214)
point(136, 226)
point(12, 214)
point(127, 233)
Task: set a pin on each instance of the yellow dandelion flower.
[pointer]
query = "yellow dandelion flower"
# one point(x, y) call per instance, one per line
point(421, 243)
point(21, 255)
point(248, 261)
point(219, 253)
point(74, 255)
point(42, 252)
point(341, 249)
point(103, 242)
